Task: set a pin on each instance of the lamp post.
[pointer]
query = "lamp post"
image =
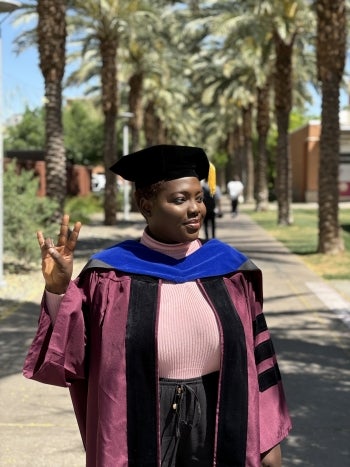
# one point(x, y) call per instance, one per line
point(126, 185)
point(5, 7)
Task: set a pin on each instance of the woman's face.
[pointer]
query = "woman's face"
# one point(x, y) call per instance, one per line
point(176, 214)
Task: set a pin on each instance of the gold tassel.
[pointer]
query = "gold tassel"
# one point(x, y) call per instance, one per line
point(212, 179)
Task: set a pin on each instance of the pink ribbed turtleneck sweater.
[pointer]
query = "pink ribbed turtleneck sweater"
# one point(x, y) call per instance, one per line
point(188, 335)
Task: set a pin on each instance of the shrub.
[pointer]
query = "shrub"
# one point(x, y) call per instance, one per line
point(24, 214)
point(80, 208)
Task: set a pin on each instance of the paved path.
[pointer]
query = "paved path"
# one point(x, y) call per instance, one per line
point(307, 318)
point(313, 346)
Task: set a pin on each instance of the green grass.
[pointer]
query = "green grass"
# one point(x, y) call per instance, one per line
point(301, 239)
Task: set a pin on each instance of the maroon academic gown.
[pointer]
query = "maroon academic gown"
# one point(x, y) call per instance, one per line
point(103, 346)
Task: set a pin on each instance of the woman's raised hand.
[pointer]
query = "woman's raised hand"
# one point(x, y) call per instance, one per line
point(57, 260)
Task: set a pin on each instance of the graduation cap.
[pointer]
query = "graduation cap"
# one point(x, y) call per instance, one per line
point(162, 162)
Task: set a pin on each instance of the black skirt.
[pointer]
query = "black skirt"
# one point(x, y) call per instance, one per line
point(187, 420)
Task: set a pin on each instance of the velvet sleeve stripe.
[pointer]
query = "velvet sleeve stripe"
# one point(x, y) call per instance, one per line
point(264, 351)
point(269, 378)
point(259, 325)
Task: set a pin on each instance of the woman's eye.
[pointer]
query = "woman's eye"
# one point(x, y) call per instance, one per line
point(179, 200)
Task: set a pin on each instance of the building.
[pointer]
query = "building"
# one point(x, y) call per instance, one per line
point(304, 149)
point(78, 176)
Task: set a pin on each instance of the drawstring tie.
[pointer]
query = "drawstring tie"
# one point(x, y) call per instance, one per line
point(185, 417)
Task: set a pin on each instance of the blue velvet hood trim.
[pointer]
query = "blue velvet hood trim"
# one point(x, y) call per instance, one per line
point(214, 258)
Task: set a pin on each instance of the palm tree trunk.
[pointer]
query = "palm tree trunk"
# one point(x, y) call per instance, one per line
point(55, 154)
point(329, 240)
point(108, 50)
point(135, 106)
point(283, 105)
point(229, 148)
point(248, 159)
point(238, 152)
point(331, 53)
point(262, 126)
point(283, 182)
point(51, 43)
point(155, 131)
point(149, 125)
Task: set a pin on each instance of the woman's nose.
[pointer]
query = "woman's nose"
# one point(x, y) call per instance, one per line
point(193, 206)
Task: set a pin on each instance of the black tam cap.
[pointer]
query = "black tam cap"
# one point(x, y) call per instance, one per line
point(163, 162)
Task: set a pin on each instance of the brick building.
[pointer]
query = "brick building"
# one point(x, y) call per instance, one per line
point(304, 148)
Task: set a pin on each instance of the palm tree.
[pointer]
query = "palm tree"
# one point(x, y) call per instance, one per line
point(113, 36)
point(171, 111)
point(225, 83)
point(225, 79)
point(285, 19)
point(100, 26)
point(140, 59)
point(275, 25)
point(331, 51)
point(98, 22)
point(240, 27)
point(51, 37)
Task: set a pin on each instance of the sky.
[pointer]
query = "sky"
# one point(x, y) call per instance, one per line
point(21, 78)
point(23, 86)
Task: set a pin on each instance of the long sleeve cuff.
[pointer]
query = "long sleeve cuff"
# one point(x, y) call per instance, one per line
point(53, 302)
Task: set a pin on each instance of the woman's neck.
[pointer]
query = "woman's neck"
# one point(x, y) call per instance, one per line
point(175, 250)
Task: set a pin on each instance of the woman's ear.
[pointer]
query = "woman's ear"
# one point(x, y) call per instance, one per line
point(145, 206)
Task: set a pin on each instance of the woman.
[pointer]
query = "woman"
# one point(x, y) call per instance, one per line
point(162, 341)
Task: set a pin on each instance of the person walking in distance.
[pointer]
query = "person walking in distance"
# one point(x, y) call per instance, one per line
point(235, 189)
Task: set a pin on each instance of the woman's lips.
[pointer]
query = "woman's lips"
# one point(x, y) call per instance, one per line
point(193, 223)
